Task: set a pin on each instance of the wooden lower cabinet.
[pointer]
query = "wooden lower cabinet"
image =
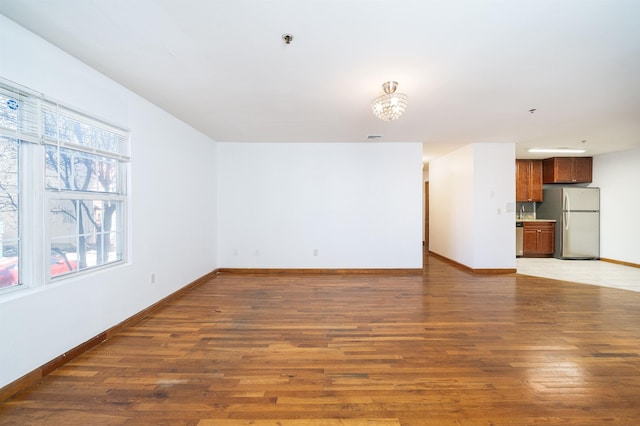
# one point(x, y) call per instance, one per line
point(538, 239)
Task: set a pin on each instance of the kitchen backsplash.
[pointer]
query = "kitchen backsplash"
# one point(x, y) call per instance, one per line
point(526, 210)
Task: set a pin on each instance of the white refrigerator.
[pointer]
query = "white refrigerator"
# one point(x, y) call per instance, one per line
point(576, 211)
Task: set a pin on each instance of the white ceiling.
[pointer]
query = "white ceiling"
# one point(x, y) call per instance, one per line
point(472, 68)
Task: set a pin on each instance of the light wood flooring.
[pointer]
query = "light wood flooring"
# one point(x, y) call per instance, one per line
point(443, 348)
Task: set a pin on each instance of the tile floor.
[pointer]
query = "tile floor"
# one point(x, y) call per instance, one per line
point(593, 272)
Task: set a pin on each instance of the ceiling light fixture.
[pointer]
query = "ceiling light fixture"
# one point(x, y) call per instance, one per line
point(391, 105)
point(556, 150)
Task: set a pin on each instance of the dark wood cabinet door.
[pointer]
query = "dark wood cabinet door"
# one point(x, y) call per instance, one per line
point(535, 182)
point(546, 241)
point(522, 180)
point(582, 169)
point(529, 241)
point(528, 180)
point(538, 239)
point(563, 170)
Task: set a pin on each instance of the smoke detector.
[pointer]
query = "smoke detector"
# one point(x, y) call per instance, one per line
point(287, 38)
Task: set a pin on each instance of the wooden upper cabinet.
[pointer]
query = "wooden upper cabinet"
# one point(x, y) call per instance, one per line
point(568, 170)
point(535, 188)
point(528, 180)
point(583, 169)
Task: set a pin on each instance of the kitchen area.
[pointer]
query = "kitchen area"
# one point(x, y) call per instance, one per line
point(557, 212)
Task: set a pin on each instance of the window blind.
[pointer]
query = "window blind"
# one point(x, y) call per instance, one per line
point(18, 113)
point(28, 116)
point(67, 128)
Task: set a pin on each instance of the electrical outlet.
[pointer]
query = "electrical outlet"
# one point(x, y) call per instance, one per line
point(315, 252)
point(153, 278)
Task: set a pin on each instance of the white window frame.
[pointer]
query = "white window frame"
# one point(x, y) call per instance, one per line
point(35, 198)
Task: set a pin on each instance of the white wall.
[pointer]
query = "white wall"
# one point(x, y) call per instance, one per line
point(618, 175)
point(451, 204)
point(172, 220)
point(359, 205)
point(471, 205)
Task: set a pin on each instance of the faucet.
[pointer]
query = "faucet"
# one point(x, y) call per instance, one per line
point(522, 211)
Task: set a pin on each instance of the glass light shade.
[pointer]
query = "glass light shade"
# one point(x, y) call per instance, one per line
point(391, 105)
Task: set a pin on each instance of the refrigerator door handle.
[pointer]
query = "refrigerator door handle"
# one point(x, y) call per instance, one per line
point(567, 209)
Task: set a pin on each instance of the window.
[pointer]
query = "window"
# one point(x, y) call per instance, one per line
point(85, 178)
point(9, 207)
point(77, 173)
point(18, 122)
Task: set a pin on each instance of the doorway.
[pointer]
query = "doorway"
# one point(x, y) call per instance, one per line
point(426, 216)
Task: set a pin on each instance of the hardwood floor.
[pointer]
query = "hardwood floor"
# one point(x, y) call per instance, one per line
point(444, 348)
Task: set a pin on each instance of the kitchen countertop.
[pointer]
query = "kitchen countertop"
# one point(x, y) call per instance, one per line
point(535, 220)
